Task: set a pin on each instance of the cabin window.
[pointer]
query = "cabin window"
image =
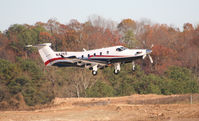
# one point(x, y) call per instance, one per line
point(118, 49)
point(88, 55)
point(94, 54)
point(107, 52)
point(82, 56)
point(121, 49)
point(138, 53)
point(100, 53)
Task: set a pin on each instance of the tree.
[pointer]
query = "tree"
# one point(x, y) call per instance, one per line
point(182, 80)
point(127, 29)
point(100, 89)
point(127, 25)
point(8, 71)
point(30, 68)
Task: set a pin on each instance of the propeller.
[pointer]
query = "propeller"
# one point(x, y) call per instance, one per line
point(148, 54)
point(143, 57)
point(148, 51)
point(151, 60)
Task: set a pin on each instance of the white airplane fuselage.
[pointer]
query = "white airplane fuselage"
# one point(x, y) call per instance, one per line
point(93, 59)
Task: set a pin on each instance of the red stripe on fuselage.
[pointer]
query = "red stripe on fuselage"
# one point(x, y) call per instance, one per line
point(53, 59)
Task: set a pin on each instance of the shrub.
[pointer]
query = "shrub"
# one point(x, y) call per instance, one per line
point(181, 80)
point(100, 89)
point(2, 95)
point(8, 71)
point(31, 68)
point(14, 87)
point(125, 88)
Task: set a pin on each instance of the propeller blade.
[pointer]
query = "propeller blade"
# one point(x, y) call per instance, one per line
point(150, 58)
point(143, 57)
point(152, 46)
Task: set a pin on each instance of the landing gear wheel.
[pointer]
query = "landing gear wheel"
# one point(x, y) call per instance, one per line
point(94, 73)
point(134, 69)
point(116, 71)
point(117, 68)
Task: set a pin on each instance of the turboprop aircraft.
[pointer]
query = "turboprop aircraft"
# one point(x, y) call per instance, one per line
point(92, 59)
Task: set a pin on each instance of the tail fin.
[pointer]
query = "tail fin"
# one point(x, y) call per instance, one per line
point(45, 51)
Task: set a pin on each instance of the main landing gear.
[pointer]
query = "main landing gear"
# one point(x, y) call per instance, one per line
point(133, 66)
point(94, 71)
point(117, 68)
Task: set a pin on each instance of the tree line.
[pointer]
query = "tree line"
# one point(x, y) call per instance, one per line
point(25, 79)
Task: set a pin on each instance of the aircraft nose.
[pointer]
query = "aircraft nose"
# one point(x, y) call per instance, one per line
point(148, 51)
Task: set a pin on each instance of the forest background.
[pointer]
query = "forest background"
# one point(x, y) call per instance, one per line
point(24, 79)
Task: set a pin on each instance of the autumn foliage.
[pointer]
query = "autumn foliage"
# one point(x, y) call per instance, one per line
point(175, 54)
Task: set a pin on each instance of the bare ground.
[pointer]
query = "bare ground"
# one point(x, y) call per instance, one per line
point(128, 108)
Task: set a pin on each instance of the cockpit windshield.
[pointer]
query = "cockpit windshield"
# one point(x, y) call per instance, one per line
point(121, 49)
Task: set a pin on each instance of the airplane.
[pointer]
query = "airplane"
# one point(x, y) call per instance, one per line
point(92, 59)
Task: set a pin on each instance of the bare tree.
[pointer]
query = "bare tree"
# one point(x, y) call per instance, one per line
point(81, 79)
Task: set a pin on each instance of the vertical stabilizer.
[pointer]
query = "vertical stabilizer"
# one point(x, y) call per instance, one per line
point(45, 51)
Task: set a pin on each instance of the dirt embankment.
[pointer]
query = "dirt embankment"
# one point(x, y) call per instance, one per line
point(135, 107)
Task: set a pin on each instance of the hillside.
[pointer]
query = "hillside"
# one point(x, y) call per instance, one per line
point(26, 82)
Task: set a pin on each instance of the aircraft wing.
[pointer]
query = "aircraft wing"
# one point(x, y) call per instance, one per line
point(82, 62)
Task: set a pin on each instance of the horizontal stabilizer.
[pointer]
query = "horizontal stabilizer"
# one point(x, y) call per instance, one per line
point(45, 51)
point(39, 45)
